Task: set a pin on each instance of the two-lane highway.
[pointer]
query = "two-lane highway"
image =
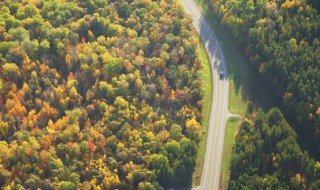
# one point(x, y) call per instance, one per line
point(210, 178)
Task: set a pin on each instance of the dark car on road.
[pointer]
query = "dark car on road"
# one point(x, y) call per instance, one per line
point(221, 74)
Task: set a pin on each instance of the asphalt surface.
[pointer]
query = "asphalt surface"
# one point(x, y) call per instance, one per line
point(211, 173)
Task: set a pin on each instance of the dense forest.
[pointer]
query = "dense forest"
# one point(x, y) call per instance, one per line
point(98, 94)
point(266, 155)
point(281, 38)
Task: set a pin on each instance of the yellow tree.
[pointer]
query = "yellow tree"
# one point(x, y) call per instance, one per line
point(193, 129)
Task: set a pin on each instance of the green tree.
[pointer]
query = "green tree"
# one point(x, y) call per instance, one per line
point(162, 169)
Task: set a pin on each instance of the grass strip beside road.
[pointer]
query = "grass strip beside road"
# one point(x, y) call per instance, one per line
point(207, 87)
point(232, 127)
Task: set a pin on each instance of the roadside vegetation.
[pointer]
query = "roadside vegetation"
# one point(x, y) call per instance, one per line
point(230, 138)
point(207, 98)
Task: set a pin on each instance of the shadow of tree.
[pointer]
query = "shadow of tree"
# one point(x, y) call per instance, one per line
point(211, 43)
point(245, 78)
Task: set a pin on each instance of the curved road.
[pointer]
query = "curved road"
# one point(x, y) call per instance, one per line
point(210, 178)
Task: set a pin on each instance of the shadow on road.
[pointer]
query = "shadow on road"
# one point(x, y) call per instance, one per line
point(245, 79)
point(214, 50)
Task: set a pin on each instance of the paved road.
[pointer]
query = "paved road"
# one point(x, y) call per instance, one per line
point(210, 178)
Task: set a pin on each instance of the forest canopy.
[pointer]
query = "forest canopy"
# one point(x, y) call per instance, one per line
point(266, 155)
point(98, 94)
